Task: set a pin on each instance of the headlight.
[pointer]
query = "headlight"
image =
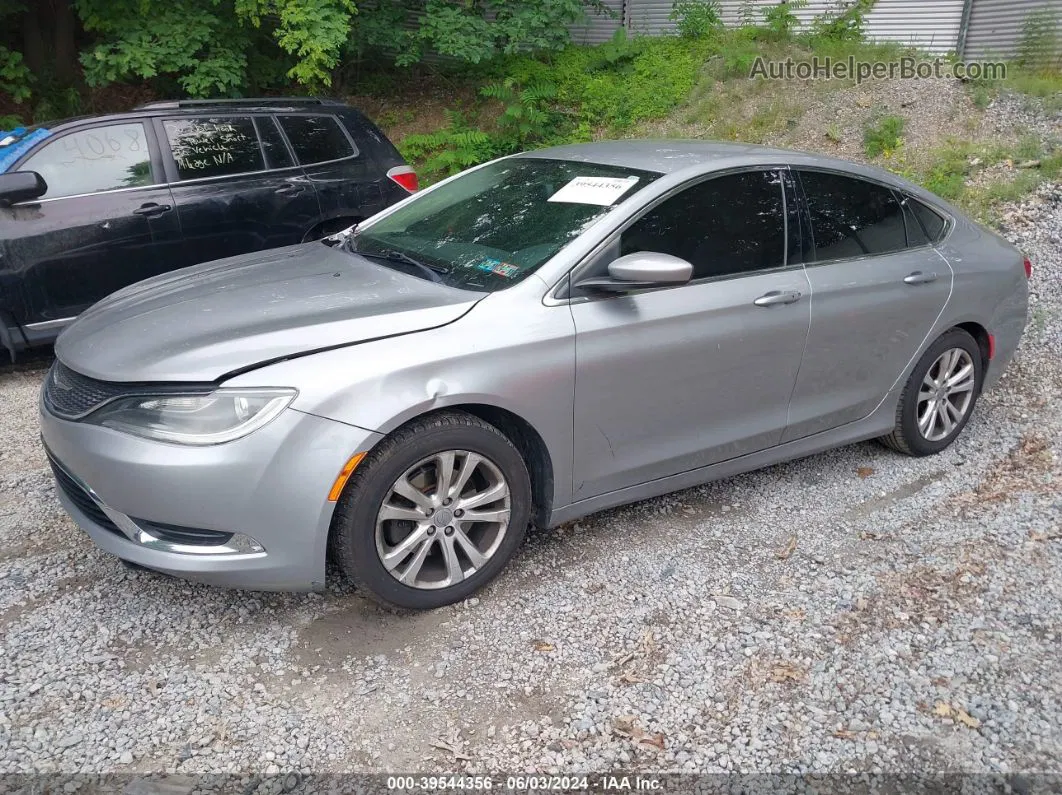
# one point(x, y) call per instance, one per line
point(221, 416)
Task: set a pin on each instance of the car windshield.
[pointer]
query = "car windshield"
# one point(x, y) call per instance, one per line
point(494, 226)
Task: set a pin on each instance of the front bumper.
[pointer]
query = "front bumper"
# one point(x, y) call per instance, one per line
point(268, 489)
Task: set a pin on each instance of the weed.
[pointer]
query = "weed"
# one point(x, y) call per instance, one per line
point(696, 19)
point(883, 135)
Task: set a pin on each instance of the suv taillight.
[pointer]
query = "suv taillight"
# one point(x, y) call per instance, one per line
point(404, 176)
point(1028, 268)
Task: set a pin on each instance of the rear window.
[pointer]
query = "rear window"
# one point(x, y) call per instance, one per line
point(214, 147)
point(316, 139)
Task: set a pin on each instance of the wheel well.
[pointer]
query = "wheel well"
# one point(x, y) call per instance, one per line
point(979, 333)
point(329, 227)
point(531, 447)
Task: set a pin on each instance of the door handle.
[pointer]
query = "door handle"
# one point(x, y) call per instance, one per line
point(152, 210)
point(289, 190)
point(918, 277)
point(776, 297)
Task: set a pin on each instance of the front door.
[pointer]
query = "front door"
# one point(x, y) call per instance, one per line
point(669, 380)
point(236, 186)
point(101, 225)
point(878, 290)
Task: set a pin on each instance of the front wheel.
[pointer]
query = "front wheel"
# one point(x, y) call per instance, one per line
point(434, 512)
point(939, 396)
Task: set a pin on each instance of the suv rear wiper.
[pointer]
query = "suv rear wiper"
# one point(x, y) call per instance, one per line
point(391, 255)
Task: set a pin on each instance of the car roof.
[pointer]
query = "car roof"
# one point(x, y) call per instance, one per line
point(670, 156)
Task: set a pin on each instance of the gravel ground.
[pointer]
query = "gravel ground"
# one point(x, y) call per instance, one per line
point(854, 611)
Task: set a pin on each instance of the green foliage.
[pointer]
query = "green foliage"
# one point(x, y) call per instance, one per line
point(191, 42)
point(1040, 47)
point(844, 25)
point(779, 20)
point(883, 135)
point(528, 117)
point(696, 19)
point(453, 148)
point(15, 76)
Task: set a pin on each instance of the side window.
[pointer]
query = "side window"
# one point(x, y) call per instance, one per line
point(276, 151)
point(316, 139)
point(93, 160)
point(931, 220)
point(851, 217)
point(727, 225)
point(209, 147)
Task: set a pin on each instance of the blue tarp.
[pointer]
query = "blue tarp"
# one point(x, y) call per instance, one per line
point(12, 152)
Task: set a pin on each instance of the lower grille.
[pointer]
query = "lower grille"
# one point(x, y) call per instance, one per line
point(81, 499)
point(190, 536)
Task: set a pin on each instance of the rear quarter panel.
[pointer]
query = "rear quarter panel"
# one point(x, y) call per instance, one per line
point(990, 289)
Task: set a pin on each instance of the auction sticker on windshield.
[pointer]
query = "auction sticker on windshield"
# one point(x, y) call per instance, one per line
point(602, 191)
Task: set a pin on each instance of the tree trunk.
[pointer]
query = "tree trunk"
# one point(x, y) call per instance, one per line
point(33, 40)
point(65, 44)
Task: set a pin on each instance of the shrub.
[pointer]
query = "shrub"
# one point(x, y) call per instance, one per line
point(696, 19)
point(883, 135)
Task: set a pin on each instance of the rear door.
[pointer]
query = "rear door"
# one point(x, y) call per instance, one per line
point(349, 185)
point(235, 184)
point(877, 289)
point(106, 221)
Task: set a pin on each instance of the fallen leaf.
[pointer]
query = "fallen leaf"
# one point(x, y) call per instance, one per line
point(541, 645)
point(788, 549)
point(629, 678)
point(625, 726)
point(786, 673)
point(967, 719)
point(865, 472)
point(1034, 536)
point(844, 734)
point(943, 710)
point(656, 740)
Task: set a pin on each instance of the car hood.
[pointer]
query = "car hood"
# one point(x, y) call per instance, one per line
point(204, 322)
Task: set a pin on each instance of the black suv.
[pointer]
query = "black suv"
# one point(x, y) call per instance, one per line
point(90, 205)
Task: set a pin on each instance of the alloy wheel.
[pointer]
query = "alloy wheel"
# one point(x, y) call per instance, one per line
point(946, 394)
point(443, 519)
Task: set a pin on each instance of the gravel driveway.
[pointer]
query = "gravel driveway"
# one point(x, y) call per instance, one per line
point(853, 611)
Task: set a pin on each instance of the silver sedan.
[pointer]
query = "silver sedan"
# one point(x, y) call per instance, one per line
point(529, 341)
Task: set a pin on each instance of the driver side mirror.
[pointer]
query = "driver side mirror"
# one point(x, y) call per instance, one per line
point(20, 186)
point(640, 270)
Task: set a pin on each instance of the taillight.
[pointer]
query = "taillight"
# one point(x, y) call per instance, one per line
point(405, 176)
point(1028, 268)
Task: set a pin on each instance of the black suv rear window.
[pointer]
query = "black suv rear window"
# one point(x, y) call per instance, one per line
point(214, 147)
point(316, 139)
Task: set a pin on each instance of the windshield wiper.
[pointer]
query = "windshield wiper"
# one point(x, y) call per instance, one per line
point(433, 272)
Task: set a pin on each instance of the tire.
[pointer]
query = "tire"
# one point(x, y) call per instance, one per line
point(920, 394)
point(365, 531)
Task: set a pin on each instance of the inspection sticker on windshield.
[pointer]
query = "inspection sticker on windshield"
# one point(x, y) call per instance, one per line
point(594, 190)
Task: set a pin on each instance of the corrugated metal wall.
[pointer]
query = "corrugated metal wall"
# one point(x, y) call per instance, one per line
point(599, 27)
point(996, 27)
point(929, 24)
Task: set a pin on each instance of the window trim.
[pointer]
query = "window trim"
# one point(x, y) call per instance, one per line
point(154, 157)
point(898, 194)
point(355, 154)
point(560, 292)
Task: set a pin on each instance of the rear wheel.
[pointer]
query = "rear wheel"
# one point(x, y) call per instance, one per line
point(434, 513)
point(939, 396)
